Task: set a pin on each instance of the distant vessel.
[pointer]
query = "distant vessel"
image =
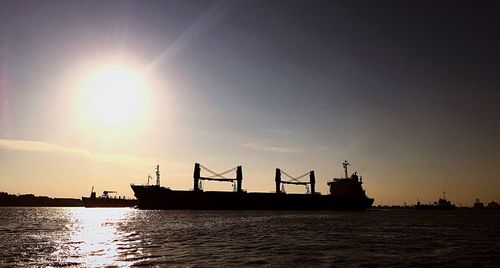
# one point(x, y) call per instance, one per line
point(345, 194)
point(478, 204)
point(491, 205)
point(106, 200)
point(442, 204)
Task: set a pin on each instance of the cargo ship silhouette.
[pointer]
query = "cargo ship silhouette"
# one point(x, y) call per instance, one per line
point(345, 194)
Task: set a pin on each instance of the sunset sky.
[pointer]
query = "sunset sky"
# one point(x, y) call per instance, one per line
point(96, 93)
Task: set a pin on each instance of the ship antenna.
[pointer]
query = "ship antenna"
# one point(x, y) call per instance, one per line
point(345, 164)
point(158, 175)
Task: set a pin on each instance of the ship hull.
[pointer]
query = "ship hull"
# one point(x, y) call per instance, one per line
point(155, 197)
point(89, 202)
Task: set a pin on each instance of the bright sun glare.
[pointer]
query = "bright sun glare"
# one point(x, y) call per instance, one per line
point(114, 95)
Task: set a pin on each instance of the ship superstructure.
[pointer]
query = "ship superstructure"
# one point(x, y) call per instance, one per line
point(348, 186)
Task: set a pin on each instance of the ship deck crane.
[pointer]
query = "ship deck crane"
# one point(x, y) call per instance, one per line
point(107, 192)
point(295, 181)
point(220, 177)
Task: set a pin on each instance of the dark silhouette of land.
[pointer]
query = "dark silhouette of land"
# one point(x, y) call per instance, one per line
point(30, 200)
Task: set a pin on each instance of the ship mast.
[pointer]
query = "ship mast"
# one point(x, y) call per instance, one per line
point(345, 164)
point(158, 175)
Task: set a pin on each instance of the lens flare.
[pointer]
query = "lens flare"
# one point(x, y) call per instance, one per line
point(114, 95)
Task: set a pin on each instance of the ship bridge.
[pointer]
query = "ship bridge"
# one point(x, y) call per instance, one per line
point(347, 186)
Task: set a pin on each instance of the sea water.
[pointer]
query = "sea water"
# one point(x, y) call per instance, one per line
point(97, 237)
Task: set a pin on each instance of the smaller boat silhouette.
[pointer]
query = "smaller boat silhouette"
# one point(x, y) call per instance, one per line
point(441, 204)
point(106, 200)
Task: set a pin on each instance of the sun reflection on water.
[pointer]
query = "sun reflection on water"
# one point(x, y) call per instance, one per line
point(94, 237)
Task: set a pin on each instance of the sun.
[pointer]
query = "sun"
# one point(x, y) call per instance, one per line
point(113, 95)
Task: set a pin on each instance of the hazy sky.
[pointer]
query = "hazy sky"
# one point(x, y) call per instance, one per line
point(407, 91)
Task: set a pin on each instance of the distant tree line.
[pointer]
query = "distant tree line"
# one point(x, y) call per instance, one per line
point(30, 200)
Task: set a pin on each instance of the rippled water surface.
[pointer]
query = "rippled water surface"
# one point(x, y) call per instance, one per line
point(128, 237)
